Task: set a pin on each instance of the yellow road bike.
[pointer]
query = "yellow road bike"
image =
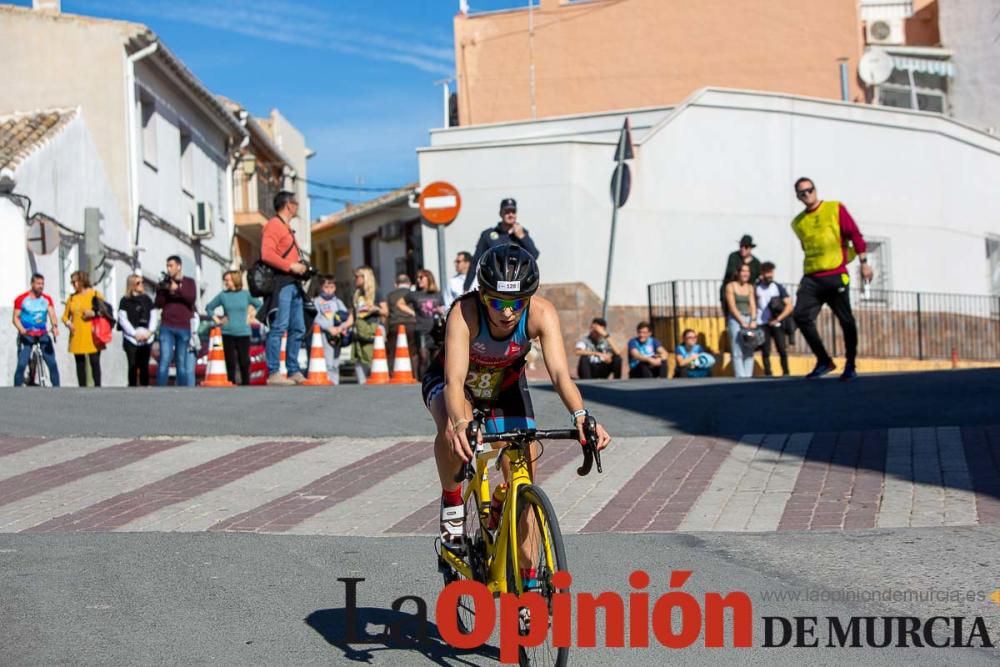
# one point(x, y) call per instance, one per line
point(490, 554)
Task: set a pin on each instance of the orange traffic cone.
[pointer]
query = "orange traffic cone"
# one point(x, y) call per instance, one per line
point(215, 373)
point(317, 376)
point(282, 367)
point(380, 365)
point(402, 369)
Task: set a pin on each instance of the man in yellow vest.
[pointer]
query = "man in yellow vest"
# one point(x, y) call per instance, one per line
point(830, 240)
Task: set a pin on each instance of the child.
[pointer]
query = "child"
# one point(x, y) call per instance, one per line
point(335, 320)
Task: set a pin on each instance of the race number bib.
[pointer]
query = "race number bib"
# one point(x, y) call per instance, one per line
point(483, 384)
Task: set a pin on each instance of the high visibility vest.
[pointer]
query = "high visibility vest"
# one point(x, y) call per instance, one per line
point(819, 234)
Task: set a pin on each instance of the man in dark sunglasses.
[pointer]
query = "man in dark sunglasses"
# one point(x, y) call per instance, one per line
point(830, 240)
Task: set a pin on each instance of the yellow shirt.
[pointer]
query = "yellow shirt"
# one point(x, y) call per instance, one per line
point(81, 341)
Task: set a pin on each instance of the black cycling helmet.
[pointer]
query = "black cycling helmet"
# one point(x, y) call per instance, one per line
point(508, 270)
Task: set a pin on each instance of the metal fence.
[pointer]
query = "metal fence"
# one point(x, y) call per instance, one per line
point(914, 325)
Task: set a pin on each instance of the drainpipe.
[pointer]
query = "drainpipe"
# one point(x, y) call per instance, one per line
point(234, 156)
point(845, 95)
point(130, 143)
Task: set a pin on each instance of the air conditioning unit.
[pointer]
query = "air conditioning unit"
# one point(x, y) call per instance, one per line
point(201, 221)
point(885, 31)
point(390, 231)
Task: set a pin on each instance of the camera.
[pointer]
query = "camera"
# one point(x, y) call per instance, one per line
point(165, 280)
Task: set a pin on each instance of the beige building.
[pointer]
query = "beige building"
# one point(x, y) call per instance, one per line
point(567, 57)
point(564, 57)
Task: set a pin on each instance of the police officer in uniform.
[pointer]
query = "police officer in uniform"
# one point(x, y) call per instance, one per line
point(507, 231)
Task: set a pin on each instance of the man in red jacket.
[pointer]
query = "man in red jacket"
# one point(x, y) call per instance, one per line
point(280, 251)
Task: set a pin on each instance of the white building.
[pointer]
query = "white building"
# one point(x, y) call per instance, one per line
point(722, 164)
point(165, 142)
point(50, 174)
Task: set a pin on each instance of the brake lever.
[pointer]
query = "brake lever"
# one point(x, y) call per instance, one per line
point(591, 454)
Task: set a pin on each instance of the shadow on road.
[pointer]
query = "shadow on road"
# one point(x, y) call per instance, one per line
point(377, 630)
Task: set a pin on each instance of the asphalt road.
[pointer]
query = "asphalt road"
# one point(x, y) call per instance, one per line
point(186, 599)
point(721, 406)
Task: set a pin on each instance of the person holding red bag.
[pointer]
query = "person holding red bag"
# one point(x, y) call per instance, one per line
point(79, 316)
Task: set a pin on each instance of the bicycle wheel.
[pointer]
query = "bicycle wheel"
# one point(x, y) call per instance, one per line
point(538, 529)
point(31, 379)
point(41, 372)
point(475, 557)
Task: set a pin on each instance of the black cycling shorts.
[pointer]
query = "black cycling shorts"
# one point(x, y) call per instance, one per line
point(510, 410)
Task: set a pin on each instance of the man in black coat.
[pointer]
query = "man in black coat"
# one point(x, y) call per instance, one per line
point(508, 230)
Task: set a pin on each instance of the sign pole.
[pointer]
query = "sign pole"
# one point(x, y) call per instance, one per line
point(442, 262)
point(622, 152)
point(614, 224)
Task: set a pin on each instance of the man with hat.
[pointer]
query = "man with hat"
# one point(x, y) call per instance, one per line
point(507, 231)
point(738, 258)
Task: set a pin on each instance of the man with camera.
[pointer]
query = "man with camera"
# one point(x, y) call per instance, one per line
point(175, 297)
point(280, 251)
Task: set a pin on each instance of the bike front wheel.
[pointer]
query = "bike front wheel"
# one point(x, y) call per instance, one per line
point(541, 548)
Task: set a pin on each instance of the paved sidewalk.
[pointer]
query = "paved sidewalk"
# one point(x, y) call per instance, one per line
point(901, 477)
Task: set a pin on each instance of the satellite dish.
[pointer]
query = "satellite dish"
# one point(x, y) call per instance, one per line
point(875, 67)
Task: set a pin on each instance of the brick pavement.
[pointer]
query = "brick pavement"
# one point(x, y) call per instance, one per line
point(763, 482)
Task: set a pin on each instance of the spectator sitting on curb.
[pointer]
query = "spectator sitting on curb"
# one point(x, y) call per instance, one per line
point(692, 360)
point(598, 357)
point(646, 356)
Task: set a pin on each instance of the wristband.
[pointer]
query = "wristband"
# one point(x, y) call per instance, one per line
point(577, 414)
point(457, 426)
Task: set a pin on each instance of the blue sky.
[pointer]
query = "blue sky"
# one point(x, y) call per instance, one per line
point(355, 76)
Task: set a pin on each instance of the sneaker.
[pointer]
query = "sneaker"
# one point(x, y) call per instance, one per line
point(297, 377)
point(452, 526)
point(822, 368)
point(278, 380)
point(850, 372)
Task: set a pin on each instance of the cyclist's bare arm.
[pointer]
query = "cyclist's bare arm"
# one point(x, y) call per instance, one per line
point(17, 322)
point(456, 369)
point(54, 320)
point(544, 323)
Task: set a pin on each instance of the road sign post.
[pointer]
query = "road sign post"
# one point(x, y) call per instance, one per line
point(440, 203)
point(621, 182)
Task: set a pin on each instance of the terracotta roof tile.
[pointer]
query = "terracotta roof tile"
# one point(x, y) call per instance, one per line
point(23, 133)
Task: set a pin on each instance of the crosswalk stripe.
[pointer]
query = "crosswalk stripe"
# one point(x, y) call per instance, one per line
point(95, 488)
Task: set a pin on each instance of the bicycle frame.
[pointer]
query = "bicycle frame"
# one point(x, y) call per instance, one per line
point(506, 534)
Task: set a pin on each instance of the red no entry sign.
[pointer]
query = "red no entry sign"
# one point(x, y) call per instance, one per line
point(440, 203)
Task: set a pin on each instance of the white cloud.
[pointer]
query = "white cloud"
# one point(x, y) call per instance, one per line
point(293, 24)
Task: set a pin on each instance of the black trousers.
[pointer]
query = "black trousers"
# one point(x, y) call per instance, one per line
point(780, 338)
point(81, 368)
point(646, 370)
point(237, 352)
point(587, 369)
point(830, 290)
point(138, 364)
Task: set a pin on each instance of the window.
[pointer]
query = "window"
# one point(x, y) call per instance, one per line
point(187, 162)
point(993, 260)
point(931, 91)
point(878, 259)
point(147, 114)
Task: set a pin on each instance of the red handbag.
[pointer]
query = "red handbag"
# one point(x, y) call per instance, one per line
point(100, 330)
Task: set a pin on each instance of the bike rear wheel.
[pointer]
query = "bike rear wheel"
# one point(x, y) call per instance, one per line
point(475, 554)
point(538, 529)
